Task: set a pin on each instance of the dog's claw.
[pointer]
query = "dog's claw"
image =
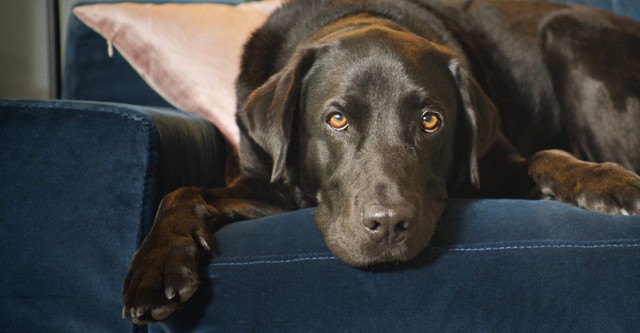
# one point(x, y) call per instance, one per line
point(163, 312)
point(204, 244)
point(170, 293)
point(187, 292)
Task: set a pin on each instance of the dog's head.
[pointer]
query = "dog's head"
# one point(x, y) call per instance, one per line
point(376, 124)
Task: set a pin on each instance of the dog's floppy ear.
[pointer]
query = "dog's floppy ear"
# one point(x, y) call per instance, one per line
point(269, 110)
point(480, 118)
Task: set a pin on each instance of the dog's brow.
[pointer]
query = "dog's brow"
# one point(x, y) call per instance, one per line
point(420, 99)
point(416, 98)
point(337, 104)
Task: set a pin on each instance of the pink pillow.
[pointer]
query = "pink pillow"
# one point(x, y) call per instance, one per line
point(189, 53)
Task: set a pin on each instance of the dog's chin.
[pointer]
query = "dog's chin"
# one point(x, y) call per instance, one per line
point(374, 256)
point(357, 250)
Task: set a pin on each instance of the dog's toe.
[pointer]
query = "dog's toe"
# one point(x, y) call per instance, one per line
point(145, 300)
point(161, 279)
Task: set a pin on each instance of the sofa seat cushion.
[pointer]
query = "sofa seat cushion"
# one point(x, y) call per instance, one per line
point(493, 266)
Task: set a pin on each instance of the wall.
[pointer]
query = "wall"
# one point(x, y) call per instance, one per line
point(24, 65)
point(23, 49)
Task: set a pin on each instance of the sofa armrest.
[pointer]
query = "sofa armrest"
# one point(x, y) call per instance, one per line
point(80, 183)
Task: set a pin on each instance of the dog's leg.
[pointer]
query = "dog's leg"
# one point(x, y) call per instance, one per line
point(601, 187)
point(165, 270)
point(555, 174)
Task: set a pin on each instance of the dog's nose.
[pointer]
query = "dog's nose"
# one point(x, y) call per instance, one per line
point(387, 223)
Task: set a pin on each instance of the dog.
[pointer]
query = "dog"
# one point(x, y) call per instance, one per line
point(378, 111)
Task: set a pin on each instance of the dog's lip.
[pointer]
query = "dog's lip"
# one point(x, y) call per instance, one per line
point(395, 253)
point(367, 254)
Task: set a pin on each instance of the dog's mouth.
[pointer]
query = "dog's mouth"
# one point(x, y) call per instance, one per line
point(360, 252)
point(381, 253)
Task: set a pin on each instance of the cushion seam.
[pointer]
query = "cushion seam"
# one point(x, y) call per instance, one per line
point(284, 259)
point(631, 244)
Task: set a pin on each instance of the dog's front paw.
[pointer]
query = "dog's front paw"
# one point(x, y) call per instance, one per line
point(164, 274)
point(601, 187)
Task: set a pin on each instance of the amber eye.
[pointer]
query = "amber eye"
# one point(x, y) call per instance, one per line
point(337, 121)
point(430, 121)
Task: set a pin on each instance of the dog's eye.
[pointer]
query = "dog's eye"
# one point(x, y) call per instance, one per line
point(337, 121)
point(430, 121)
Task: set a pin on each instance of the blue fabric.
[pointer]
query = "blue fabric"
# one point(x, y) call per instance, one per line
point(80, 183)
point(90, 74)
point(629, 8)
point(493, 266)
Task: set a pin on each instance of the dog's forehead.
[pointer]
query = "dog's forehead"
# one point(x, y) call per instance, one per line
point(383, 67)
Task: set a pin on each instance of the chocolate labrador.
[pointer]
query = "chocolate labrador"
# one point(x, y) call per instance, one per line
point(378, 111)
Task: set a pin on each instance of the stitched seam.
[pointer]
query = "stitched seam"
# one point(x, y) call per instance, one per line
point(274, 261)
point(79, 106)
point(534, 247)
point(256, 261)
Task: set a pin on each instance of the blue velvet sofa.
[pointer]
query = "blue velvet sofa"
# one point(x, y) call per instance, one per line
point(80, 179)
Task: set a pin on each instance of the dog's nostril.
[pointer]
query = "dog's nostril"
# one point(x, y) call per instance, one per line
point(373, 226)
point(402, 226)
point(386, 222)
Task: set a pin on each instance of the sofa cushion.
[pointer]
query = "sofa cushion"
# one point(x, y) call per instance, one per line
point(80, 183)
point(493, 266)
